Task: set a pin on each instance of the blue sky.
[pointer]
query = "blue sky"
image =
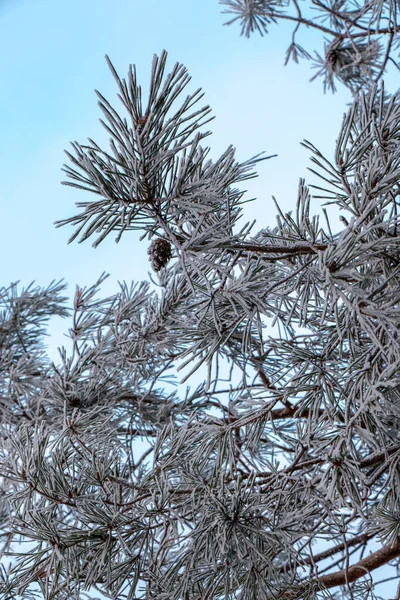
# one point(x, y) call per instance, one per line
point(52, 59)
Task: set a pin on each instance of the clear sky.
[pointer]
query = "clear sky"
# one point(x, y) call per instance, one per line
point(52, 59)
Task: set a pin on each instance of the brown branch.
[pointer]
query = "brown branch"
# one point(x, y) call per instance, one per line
point(381, 31)
point(367, 32)
point(364, 566)
point(296, 248)
point(134, 431)
point(307, 23)
point(385, 60)
point(270, 386)
point(358, 539)
point(374, 459)
point(294, 412)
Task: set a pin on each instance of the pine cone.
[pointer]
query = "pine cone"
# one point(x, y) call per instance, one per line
point(160, 253)
point(141, 123)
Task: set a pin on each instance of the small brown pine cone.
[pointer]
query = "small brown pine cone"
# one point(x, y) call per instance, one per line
point(141, 123)
point(160, 252)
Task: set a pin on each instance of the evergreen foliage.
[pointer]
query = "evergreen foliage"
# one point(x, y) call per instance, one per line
point(242, 475)
point(361, 38)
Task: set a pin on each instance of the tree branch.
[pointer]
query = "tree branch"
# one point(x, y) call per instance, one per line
point(364, 566)
point(295, 248)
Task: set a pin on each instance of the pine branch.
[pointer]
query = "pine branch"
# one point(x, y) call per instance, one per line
point(363, 567)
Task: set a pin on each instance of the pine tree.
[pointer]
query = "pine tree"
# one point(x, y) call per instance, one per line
point(292, 438)
point(360, 38)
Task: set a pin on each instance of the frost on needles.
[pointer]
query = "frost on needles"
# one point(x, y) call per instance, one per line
point(292, 438)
